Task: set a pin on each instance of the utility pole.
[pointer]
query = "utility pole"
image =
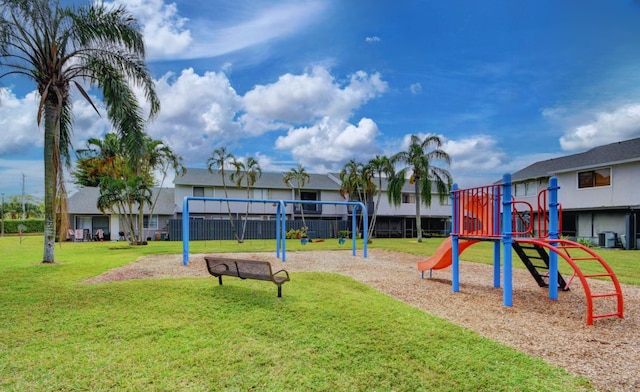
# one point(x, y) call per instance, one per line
point(23, 209)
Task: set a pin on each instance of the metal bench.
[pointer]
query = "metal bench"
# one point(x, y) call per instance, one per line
point(246, 269)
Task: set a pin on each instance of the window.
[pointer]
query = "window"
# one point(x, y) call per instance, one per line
point(594, 178)
point(408, 198)
point(530, 188)
point(198, 191)
point(310, 208)
point(150, 223)
point(308, 195)
point(260, 194)
point(520, 189)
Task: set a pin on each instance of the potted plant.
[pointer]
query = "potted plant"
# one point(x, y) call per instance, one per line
point(303, 235)
point(342, 236)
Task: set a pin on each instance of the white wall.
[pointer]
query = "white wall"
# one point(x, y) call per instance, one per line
point(622, 191)
point(409, 209)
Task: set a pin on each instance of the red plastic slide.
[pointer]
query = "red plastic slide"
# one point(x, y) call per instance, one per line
point(443, 256)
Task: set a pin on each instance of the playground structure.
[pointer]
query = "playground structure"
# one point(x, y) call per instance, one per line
point(281, 229)
point(489, 213)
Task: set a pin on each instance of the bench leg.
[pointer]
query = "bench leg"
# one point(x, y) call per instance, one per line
point(220, 279)
point(279, 290)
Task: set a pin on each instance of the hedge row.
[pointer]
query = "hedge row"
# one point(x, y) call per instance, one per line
point(30, 226)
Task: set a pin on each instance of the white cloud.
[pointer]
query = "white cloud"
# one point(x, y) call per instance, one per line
point(20, 130)
point(271, 22)
point(86, 122)
point(197, 112)
point(607, 127)
point(373, 39)
point(329, 143)
point(231, 26)
point(300, 99)
point(164, 29)
point(267, 163)
point(476, 160)
point(200, 112)
point(416, 88)
point(479, 152)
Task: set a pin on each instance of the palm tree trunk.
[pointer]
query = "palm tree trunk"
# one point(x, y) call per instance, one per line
point(372, 224)
point(141, 231)
point(50, 132)
point(304, 224)
point(233, 226)
point(418, 202)
point(246, 217)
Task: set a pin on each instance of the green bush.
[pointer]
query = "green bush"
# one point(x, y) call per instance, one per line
point(344, 234)
point(585, 242)
point(293, 234)
point(11, 226)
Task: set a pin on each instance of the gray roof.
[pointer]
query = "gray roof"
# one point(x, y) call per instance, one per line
point(407, 188)
point(268, 180)
point(610, 154)
point(84, 201)
point(272, 180)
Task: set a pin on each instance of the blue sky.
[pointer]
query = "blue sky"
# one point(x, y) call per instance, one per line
point(319, 82)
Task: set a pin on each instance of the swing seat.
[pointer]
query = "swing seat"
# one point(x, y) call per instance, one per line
point(246, 269)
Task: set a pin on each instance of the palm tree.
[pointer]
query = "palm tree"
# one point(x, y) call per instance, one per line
point(220, 158)
point(105, 163)
point(155, 156)
point(249, 173)
point(101, 157)
point(356, 183)
point(301, 177)
point(424, 175)
point(380, 167)
point(58, 48)
point(125, 196)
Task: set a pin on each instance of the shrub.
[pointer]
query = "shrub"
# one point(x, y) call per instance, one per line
point(585, 242)
point(11, 226)
point(344, 234)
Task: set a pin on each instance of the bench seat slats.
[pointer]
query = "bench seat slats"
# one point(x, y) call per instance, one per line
point(246, 269)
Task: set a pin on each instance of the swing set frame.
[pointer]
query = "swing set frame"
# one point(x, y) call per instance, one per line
point(281, 214)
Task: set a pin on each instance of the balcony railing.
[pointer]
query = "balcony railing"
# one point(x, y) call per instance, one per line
point(369, 205)
point(308, 208)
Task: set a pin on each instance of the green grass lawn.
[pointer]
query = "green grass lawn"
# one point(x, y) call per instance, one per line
point(327, 332)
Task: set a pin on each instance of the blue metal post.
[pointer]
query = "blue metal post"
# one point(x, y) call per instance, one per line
point(354, 228)
point(365, 224)
point(278, 223)
point(507, 240)
point(554, 235)
point(455, 229)
point(283, 227)
point(496, 232)
point(185, 231)
point(496, 264)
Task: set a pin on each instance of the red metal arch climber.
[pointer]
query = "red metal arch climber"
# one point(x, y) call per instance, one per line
point(574, 254)
point(477, 216)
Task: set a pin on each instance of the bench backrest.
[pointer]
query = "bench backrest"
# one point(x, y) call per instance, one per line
point(252, 269)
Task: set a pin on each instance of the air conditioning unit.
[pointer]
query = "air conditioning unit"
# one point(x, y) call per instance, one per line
point(607, 239)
